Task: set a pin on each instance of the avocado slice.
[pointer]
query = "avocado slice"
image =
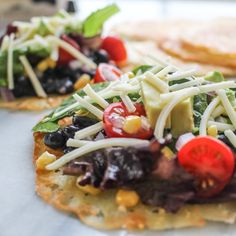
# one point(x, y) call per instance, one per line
point(152, 103)
point(182, 118)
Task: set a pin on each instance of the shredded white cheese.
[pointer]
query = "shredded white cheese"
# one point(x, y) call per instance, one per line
point(220, 126)
point(218, 111)
point(91, 108)
point(128, 103)
point(181, 74)
point(231, 136)
point(156, 82)
point(161, 121)
point(91, 130)
point(95, 96)
point(33, 78)
point(164, 71)
point(75, 53)
point(100, 144)
point(166, 97)
point(76, 143)
point(10, 77)
point(206, 115)
point(5, 43)
point(228, 107)
point(187, 84)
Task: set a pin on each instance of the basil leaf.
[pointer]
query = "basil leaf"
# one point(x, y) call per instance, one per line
point(142, 68)
point(93, 24)
point(46, 127)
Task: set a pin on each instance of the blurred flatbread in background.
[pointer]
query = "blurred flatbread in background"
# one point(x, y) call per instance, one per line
point(138, 54)
point(207, 45)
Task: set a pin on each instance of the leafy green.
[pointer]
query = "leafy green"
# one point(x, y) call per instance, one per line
point(214, 76)
point(50, 121)
point(231, 96)
point(142, 68)
point(93, 24)
point(3, 82)
point(199, 106)
point(43, 29)
point(180, 81)
point(46, 127)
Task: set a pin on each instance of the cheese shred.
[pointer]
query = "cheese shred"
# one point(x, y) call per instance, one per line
point(231, 136)
point(90, 147)
point(91, 108)
point(33, 78)
point(206, 115)
point(91, 130)
point(10, 77)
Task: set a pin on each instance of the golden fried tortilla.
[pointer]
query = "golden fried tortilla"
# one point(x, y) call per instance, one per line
point(176, 49)
point(101, 211)
point(216, 38)
point(33, 103)
point(139, 52)
point(189, 42)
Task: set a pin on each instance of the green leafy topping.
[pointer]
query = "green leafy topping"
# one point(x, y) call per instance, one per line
point(142, 68)
point(214, 76)
point(231, 96)
point(46, 127)
point(180, 81)
point(43, 28)
point(53, 117)
point(93, 24)
point(199, 106)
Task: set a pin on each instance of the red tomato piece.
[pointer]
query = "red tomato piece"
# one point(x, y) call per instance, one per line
point(64, 56)
point(106, 72)
point(116, 49)
point(114, 116)
point(210, 161)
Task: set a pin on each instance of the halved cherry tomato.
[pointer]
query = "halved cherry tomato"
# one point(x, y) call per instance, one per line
point(114, 116)
point(115, 48)
point(106, 72)
point(64, 56)
point(210, 161)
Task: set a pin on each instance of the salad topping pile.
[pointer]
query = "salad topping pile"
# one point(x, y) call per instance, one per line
point(58, 54)
point(159, 132)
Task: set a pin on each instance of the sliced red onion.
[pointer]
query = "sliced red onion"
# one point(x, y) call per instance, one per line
point(183, 139)
point(6, 94)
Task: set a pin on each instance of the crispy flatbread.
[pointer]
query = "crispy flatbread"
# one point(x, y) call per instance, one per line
point(101, 211)
point(217, 38)
point(33, 103)
point(138, 54)
point(183, 40)
point(176, 49)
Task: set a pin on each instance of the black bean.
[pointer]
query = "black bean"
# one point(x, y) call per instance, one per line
point(83, 121)
point(69, 131)
point(55, 139)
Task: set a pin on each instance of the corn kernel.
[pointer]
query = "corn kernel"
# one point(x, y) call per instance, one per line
point(45, 159)
point(132, 124)
point(130, 75)
point(127, 198)
point(167, 152)
point(87, 188)
point(51, 63)
point(82, 81)
point(45, 64)
point(212, 130)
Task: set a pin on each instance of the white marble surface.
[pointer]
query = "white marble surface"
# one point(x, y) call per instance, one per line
point(22, 213)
